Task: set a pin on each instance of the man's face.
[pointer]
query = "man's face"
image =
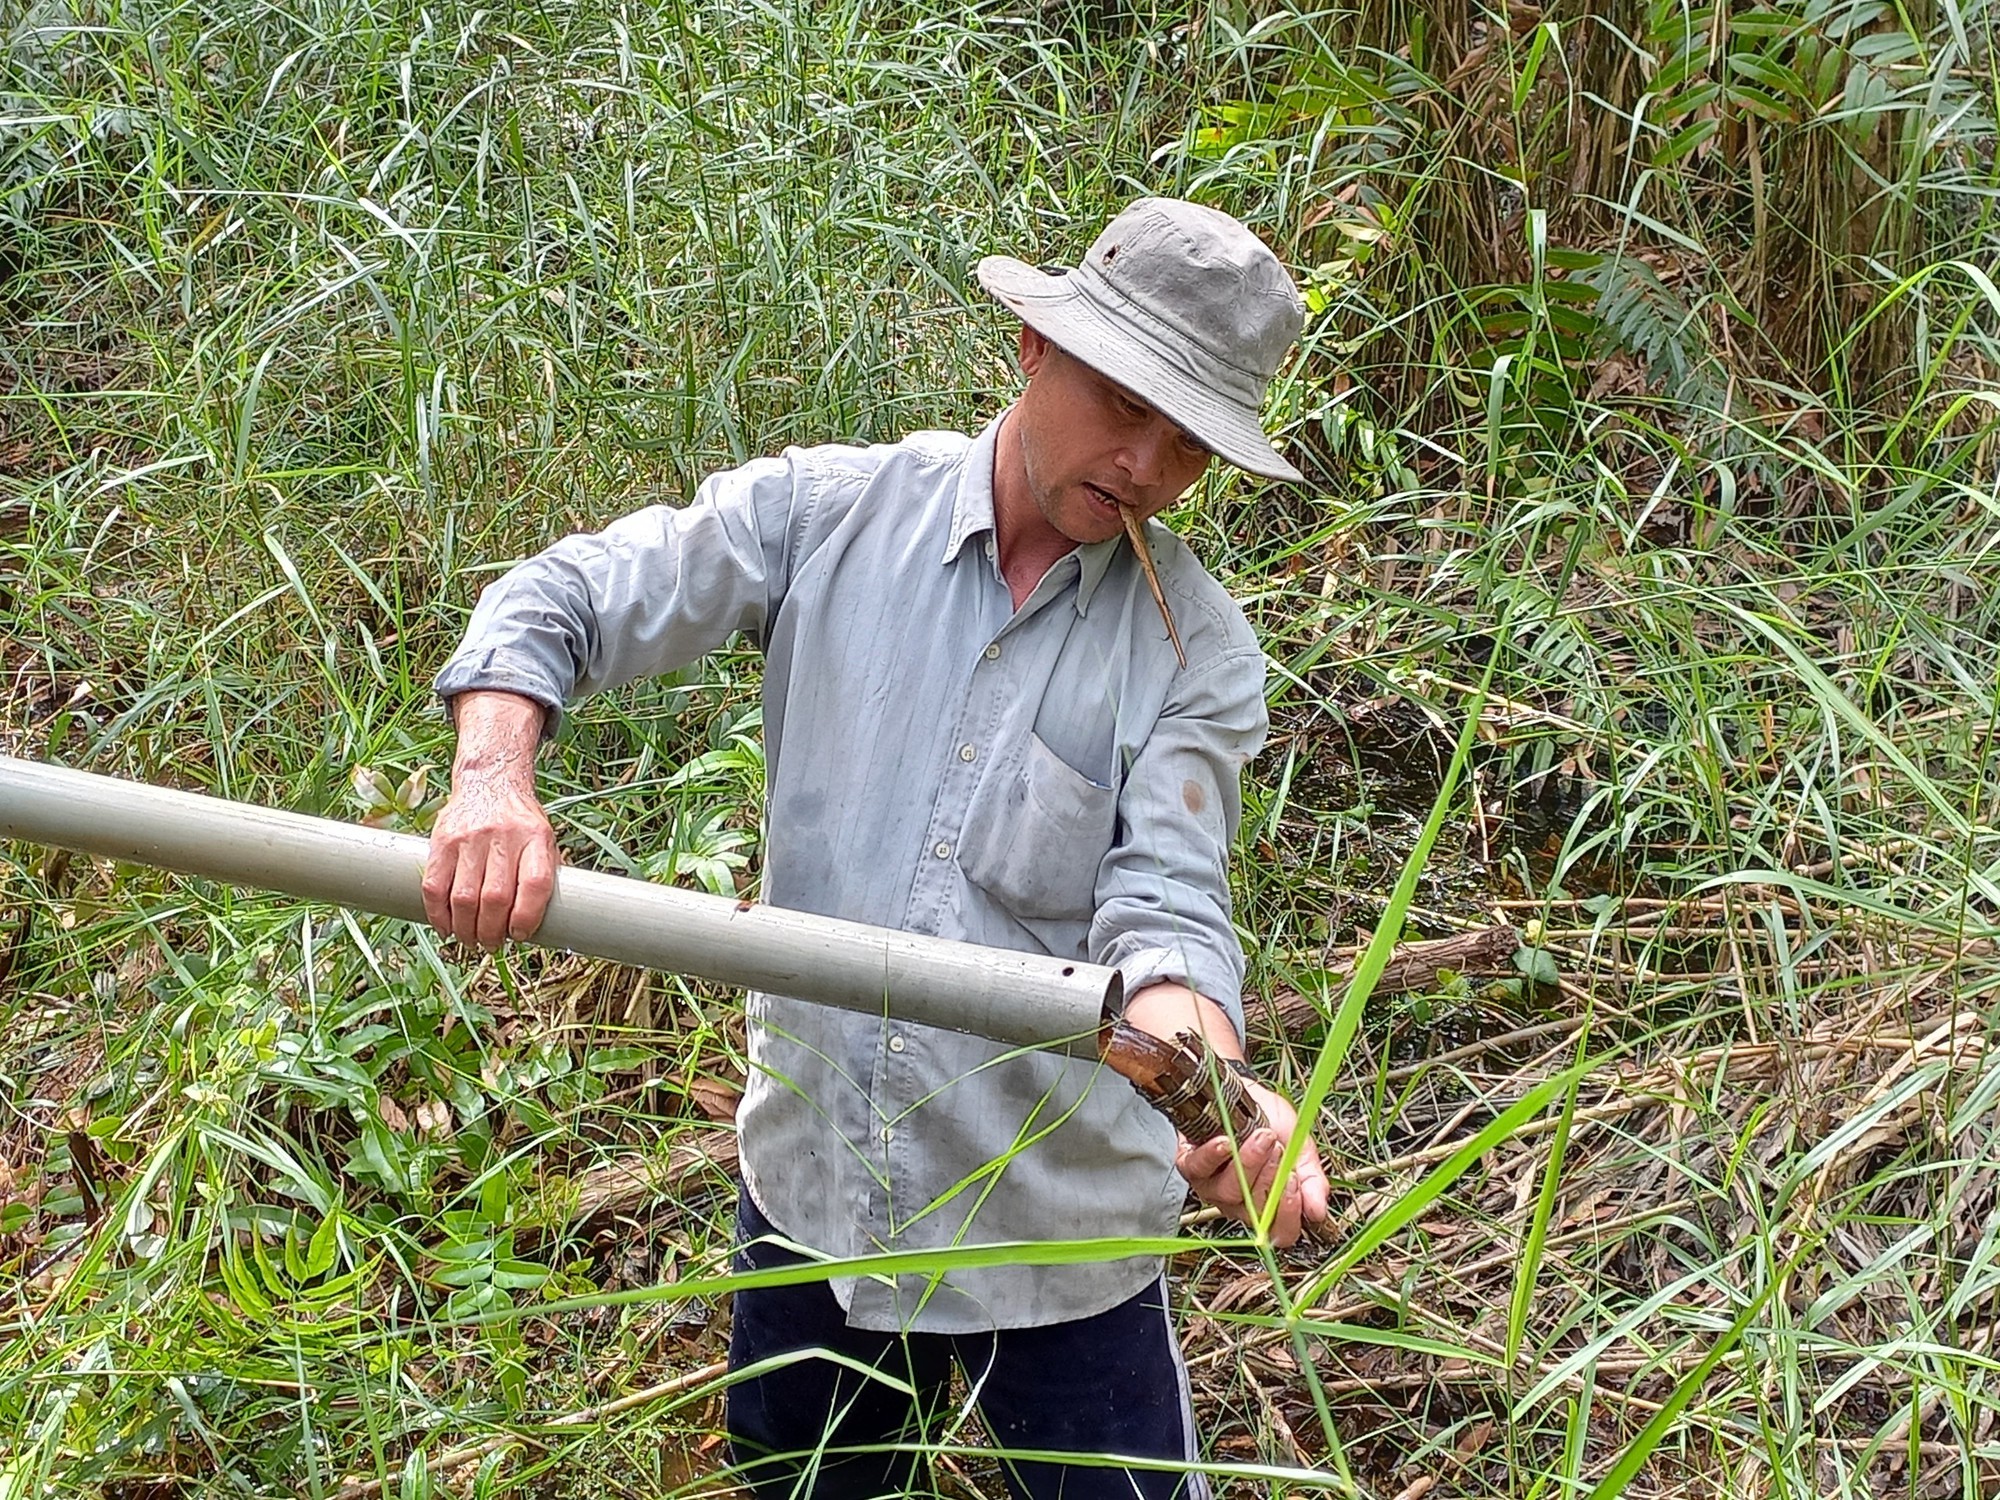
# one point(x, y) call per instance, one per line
point(1089, 445)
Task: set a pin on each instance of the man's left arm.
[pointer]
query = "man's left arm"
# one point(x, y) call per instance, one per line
point(1240, 1181)
point(1163, 917)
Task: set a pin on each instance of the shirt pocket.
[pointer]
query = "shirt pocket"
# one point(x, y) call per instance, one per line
point(1036, 833)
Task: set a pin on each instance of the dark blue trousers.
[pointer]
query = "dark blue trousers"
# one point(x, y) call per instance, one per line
point(815, 1427)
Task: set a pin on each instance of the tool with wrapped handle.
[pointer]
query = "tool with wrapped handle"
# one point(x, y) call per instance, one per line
point(1184, 1080)
point(1201, 1093)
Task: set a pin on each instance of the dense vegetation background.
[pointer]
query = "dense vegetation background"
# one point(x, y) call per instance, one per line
point(1642, 599)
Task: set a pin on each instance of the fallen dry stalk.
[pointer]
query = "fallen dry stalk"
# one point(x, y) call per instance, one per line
point(1411, 966)
point(631, 1182)
point(1878, 1083)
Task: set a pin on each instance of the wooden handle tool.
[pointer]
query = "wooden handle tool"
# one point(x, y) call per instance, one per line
point(1183, 1081)
point(1178, 1079)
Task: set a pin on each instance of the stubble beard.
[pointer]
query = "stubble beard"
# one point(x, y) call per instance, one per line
point(1047, 497)
point(1038, 491)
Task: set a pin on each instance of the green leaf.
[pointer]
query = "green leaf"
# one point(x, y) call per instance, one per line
point(895, 1263)
point(1679, 69)
point(515, 1275)
point(1361, 1333)
point(414, 1483)
point(1529, 1271)
point(1754, 101)
point(1563, 258)
point(617, 1059)
point(1774, 76)
point(1885, 47)
point(375, 1153)
point(513, 1379)
point(1764, 23)
point(1432, 1186)
point(1545, 32)
point(416, 786)
point(495, 1197)
point(1685, 141)
point(323, 1247)
point(1703, 96)
point(465, 1250)
point(1539, 965)
point(245, 1288)
point(373, 790)
point(1863, 99)
point(478, 1304)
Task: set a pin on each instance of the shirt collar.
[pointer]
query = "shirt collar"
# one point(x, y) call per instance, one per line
point(972, 514)
point(972, 511)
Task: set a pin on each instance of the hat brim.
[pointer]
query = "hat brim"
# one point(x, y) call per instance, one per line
point(1055, 307)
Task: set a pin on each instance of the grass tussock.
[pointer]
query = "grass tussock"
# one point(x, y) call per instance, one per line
point(1642, 599)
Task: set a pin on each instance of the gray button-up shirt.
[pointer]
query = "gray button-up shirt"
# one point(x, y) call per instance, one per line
point(1045, 778)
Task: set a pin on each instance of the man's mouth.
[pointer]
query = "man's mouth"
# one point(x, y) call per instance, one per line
point(1104, 498)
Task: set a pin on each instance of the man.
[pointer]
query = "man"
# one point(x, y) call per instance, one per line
point(976, 726)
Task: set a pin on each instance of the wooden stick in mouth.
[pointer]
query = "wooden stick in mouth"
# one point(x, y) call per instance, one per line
point(1135, 533)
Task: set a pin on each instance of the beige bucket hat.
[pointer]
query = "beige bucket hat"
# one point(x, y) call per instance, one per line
point(1181, 305)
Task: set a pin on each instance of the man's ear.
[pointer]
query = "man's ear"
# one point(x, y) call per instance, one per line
point(1034, 351)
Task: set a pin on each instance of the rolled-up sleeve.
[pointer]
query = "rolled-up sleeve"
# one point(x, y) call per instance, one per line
point(1163, 905)
point(652, 592)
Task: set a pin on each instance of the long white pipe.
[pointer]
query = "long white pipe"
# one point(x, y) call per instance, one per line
point(1023, 999)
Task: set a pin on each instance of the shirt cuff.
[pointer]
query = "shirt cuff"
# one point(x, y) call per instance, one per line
point(1163, 965)
point(500, 670)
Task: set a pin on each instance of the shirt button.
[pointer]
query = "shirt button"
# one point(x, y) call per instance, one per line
point(895, 1044)
point(943, 850)
point(966, 752)
point(885, 1132)
point(993, 652)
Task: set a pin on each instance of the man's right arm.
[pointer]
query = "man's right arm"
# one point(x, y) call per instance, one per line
point(492, 864)
point(650, 592)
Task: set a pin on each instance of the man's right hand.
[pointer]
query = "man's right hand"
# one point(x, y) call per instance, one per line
point(493, 855)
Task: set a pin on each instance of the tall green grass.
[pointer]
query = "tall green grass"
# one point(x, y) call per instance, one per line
point(1649, 411)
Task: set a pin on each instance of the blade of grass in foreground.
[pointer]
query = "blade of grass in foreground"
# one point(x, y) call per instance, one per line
point(1333, 1053)
point(1434, 1183)
point(1538, 1227)
point(924, 1262)
point(1368, 970)
point(1633, 1459)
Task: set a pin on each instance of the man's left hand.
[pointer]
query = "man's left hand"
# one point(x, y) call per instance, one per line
point(1219, 1174)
